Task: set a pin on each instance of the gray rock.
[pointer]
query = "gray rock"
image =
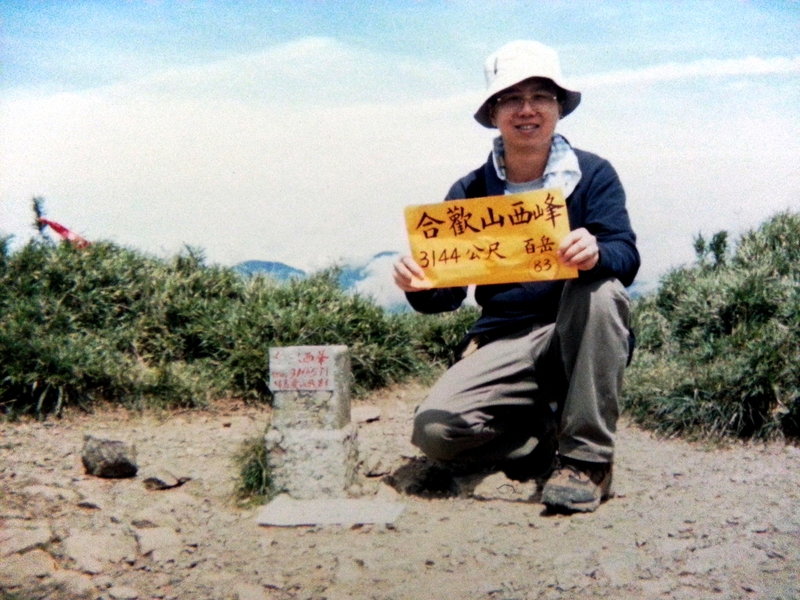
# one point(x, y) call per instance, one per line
point(143, 523)
point(22, 539)
point(108, 458)
point(72, 582)
point(90, 503)
point(313, 463)
point(161, 479)
point(22, 568)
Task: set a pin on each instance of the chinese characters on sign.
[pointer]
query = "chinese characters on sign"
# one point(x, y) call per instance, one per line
point(300, 369)
point(500, 239)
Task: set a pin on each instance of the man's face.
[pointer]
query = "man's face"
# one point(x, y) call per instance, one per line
point(526, 115)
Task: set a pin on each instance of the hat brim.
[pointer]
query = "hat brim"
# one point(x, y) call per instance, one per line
point(484, 115)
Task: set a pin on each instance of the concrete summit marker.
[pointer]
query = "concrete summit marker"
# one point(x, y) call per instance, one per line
point(311, 445)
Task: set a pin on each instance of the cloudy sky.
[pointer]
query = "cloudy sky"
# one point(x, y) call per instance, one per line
point(298, 130)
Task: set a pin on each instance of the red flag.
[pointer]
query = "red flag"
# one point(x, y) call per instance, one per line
point(65, 233)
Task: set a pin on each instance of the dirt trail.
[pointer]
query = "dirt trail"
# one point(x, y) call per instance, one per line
point(687, 522)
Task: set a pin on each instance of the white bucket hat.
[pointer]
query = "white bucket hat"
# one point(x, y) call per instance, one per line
point(518, 61)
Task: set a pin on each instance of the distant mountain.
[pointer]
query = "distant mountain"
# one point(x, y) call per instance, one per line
point(372, 277)
point(276, 270)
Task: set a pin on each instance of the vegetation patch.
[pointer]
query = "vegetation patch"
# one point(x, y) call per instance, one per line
point(254, 481)
point(106, 323)
point(719, 341)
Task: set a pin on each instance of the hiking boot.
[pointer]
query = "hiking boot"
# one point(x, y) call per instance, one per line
point(577, 486)
point(536, 465)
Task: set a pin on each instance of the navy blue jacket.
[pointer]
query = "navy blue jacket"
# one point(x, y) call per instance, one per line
point(597, 203)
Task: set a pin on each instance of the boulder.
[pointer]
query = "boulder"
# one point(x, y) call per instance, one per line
point(108, 458)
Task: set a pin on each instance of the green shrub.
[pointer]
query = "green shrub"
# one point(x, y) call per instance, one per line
point(106, 323)
point(437, 335)
point(719, 343)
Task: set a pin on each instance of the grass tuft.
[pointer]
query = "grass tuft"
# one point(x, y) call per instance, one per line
point(253, 484)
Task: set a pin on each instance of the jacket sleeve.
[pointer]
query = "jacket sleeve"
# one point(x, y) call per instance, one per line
point(606, 217)
point(436, 300)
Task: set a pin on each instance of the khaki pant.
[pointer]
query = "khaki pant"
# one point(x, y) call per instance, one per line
point(562, 378)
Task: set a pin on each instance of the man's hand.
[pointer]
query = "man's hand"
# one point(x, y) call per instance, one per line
point(579, 249)
point(409, 276)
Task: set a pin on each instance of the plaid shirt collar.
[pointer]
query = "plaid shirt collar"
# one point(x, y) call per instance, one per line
point(562, 169)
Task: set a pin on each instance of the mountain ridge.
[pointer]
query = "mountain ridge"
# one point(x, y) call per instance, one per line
point(370, 277)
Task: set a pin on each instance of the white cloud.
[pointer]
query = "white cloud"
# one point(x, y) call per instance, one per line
point(702, 68)
point(249, 158)
point(696, 155)
point(378, 283)
point(306, 153)
point(314, 71)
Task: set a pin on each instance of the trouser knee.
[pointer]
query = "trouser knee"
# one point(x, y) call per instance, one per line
point(604, 297)
point(601, 307)
point(432, 435)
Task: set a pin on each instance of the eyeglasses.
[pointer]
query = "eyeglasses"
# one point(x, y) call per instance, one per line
point(515, 101)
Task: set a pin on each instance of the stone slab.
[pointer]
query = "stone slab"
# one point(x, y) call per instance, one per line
point(284, 511)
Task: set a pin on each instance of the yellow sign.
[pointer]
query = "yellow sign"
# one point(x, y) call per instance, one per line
point(499, 239)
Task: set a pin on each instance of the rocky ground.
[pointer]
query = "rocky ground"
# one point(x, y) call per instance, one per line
point(688, 521)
